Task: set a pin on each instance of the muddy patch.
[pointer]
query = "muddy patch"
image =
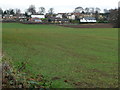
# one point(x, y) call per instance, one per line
point(102, 73)
point(55, 78)
point(82, 84)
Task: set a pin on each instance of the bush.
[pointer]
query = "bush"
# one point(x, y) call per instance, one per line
point(74, 21)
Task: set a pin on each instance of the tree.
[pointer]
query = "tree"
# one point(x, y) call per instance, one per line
point(11, 11)
point(96, 15)
point(113, 17)
point(106, 11)
point(119, 16)
point(106, 14)
point(83, 12)
point(51, 11)
point(97, 9)
point(26, 14)
point(91, 10)
point(1, 11)
point(17, 11)
point(78, 9)
point(41, 10)
point(7, 12)
point(87, 10)
point(64, 15)
point(31, 9)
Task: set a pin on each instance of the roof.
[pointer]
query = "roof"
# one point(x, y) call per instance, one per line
point(59, 19)
point(38, 16)
point(89, 18)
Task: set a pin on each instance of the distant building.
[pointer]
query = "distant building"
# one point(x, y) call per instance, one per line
point(38, 16)
point(88, 20)
point(59, 16)
point(22, 16)
point(37, 20)
point(9, 17)
point(71, 16)
point(58, 20)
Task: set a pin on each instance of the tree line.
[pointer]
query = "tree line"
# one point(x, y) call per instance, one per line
point(31, 10)
point(42, 10)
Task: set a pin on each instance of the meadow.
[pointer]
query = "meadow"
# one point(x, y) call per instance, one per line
point(69, 57)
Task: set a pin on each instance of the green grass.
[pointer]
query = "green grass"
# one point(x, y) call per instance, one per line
point(81, 57)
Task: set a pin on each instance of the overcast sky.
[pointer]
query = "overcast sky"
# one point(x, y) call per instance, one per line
point(58, 5)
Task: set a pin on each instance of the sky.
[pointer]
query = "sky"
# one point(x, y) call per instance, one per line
point(58, 5)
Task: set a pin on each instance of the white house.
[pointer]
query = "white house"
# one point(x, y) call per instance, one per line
point(72, 17)
point(88, 19)
point(38, 16)
point(59, 16)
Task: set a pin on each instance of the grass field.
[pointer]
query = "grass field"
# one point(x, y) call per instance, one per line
point(69, 57)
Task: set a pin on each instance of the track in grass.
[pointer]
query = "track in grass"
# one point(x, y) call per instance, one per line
point(69, 57)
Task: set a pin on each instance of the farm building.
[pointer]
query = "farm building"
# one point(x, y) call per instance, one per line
point(88, 20)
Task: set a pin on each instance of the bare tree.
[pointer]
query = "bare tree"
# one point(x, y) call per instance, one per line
point(87, 10)
point(11, 11)
point(51, 11)
point(113, 17)
point(41, 10)
point(97, 9)
point(1, 11)
point(92, 10)
point(78, 9)
point(31, 9)
point(106, 11)
point(17, 11)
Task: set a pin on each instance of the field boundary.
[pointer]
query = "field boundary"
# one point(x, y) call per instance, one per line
point(97, 25)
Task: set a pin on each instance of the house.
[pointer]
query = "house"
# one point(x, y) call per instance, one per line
point(22, 16)
point(9, 17)
point(88, 20)
point(58, 20)
point(41, 16)
point(59, 16)
point(78, 15)
point(71, 16)
point(36, 20)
